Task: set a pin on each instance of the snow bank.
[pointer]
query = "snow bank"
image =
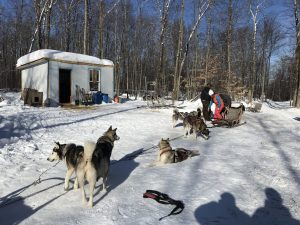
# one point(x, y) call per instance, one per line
point(11, 98)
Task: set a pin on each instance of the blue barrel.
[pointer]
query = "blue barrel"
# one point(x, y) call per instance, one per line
point(94, 96)
point(97, 97)
point(105, 98)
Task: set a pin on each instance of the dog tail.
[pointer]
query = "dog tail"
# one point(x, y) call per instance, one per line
point(89, 147)
point(194, 153)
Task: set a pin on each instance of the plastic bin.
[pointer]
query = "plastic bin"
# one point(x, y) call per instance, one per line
point(105, 98)
point(116, 99)
point(97, 98)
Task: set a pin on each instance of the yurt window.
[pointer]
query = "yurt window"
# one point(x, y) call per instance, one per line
point(94, 80)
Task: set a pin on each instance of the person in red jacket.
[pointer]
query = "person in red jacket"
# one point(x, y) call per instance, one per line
point(216, 104)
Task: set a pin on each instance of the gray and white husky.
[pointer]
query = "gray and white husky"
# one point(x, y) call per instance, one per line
point(95, 163)
point(72, 155)
point(194, 122)
point(177, 116)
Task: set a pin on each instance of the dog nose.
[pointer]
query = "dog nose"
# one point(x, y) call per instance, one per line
point(48, 159)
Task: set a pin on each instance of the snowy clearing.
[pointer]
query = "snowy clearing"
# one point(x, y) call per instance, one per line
point(244, 175)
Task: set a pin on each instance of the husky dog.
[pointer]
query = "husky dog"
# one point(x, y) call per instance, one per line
point(195, 124)
point(95, 163)
point(199, 127)
point(72, 155)
point(167, 155)
point(177, 116)
point(196, 113)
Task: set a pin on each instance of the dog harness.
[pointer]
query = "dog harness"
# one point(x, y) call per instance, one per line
point(164, 150)
point(165, 199)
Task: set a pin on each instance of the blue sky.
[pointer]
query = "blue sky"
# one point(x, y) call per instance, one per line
point(283, 9)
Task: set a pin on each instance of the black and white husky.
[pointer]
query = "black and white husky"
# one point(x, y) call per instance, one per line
point(95, 163)
point(167, 154)
point(72, 155)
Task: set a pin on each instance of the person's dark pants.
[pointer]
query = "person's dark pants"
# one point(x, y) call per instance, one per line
point(206, 111)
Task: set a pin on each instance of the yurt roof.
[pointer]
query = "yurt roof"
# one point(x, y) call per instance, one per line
point(60, 56)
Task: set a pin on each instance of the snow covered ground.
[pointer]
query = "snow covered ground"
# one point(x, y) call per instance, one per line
point(244, 175)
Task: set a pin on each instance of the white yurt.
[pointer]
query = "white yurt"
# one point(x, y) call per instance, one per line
point(57, 75)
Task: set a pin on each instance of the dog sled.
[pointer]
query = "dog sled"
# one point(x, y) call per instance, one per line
point(232, 117)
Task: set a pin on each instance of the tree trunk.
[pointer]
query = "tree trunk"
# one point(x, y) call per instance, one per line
point(229, 43)
point(101, 29)
point(48, 25)
point(181, 56)
point(40, 14)
point(208, 41)
point(253, 74)
point(178, 56)
point(297, 56)
point(86, 28)
point(117, 58)
point(202, 10)
point(163, 24)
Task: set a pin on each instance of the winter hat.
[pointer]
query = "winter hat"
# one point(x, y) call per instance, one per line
point(210, 92)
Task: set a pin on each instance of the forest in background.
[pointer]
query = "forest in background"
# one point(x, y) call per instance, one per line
point(246, 48)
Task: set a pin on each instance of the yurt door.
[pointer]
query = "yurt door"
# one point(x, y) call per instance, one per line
point(64, 86)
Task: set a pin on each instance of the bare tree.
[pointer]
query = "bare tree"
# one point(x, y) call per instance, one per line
point(102, 15)
point(229, 45)
point(86, 28)
point(42, 8)
point(178, 55)
point(270, 38)
point(66, 23)
point(297, 56)
point(253, 74)
point(48, 23)
point(181, 55)
point(208, 48)
point(164, 11)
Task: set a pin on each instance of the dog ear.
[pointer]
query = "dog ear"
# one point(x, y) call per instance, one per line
point(168, 139)
point(110, 128)
point(115, 129)
point(57, 143)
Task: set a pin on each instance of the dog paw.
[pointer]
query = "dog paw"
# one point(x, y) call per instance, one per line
point(66, 188)
point(84, 202)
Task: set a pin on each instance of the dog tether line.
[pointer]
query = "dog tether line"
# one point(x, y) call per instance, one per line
point(37, 181)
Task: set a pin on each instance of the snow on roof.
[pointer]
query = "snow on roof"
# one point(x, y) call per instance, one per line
point(61, 56)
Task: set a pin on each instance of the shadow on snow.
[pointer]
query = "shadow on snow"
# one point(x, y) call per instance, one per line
point(119, 171)
point(13, 210)
point(226, 212)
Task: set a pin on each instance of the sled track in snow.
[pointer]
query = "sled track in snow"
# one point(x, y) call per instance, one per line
point(44, 120)
point(98, 116)
point(91, 117)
